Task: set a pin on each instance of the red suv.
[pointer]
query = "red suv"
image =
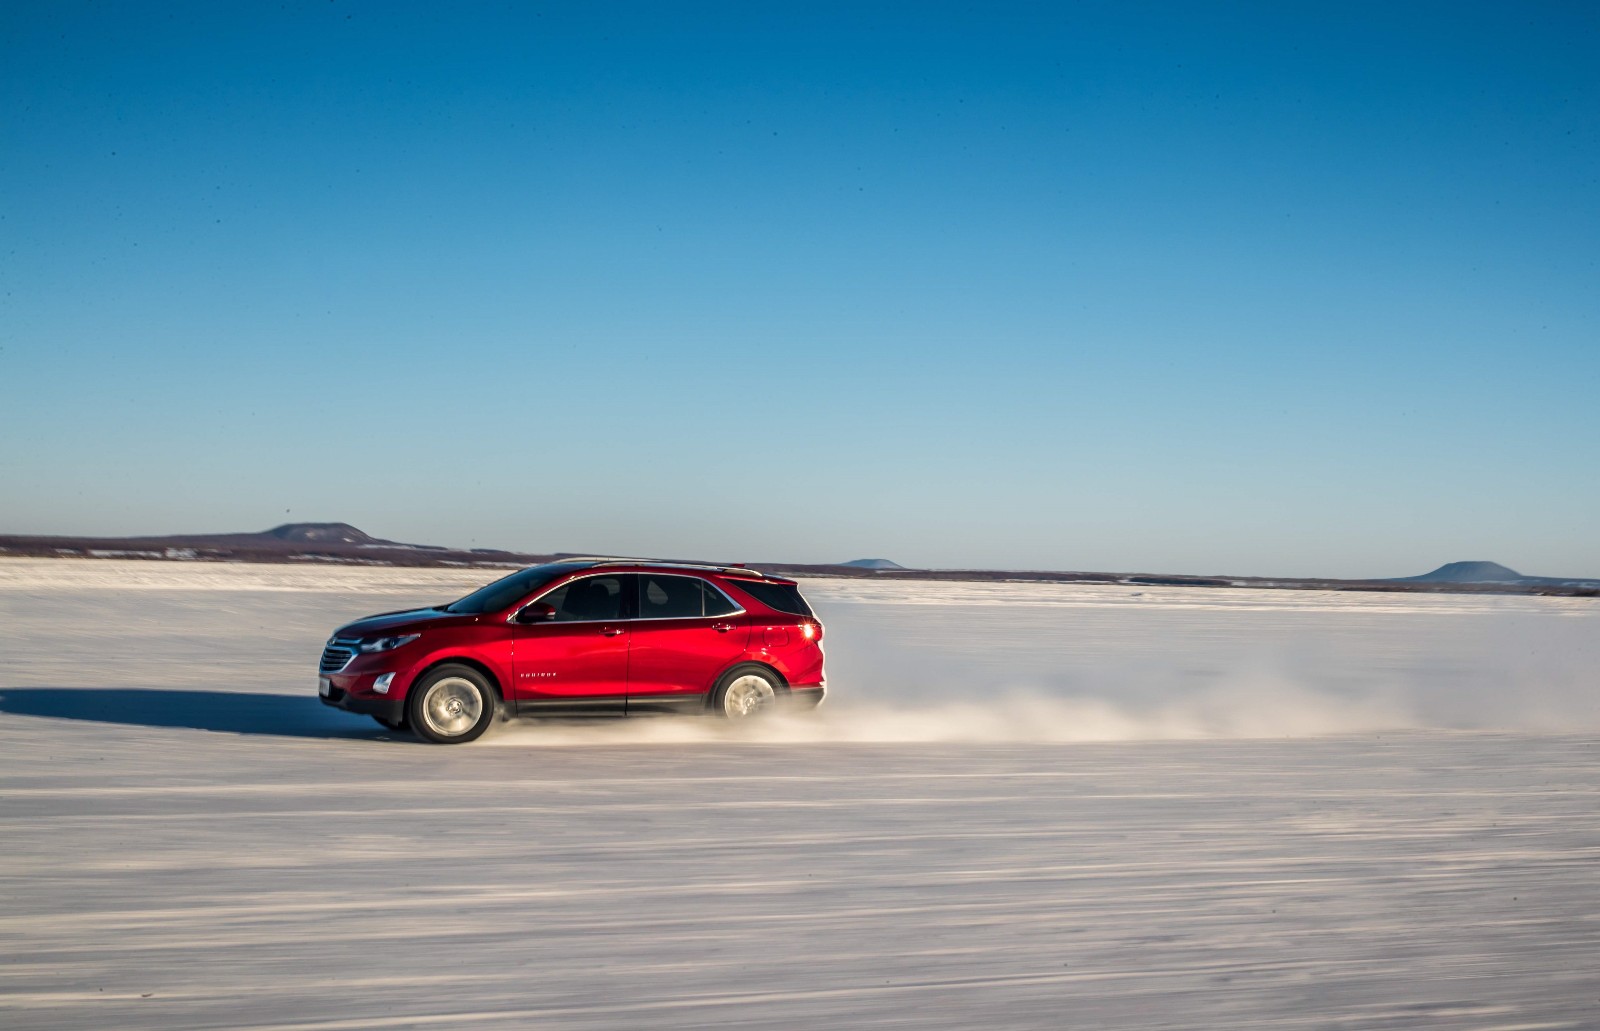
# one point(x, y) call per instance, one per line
point(582, 637)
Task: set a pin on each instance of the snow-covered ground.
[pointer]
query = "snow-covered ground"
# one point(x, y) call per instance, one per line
point(1023, 806)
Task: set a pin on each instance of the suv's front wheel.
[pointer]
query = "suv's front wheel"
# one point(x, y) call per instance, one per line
point(450, 705)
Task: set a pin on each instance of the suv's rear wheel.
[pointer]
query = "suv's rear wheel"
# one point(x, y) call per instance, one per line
point(746, 691)
point(450, 705)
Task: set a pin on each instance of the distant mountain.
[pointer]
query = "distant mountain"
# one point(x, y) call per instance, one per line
point(322, 533)
point(295, 537)
point(326, 542)
point(1492, 573)
point(1470, 573)
point(872, 563)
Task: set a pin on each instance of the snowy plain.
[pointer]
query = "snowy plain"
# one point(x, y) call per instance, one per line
point(1024, 806)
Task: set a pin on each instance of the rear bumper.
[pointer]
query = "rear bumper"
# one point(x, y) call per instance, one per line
point(807, 696)
point(392, 710)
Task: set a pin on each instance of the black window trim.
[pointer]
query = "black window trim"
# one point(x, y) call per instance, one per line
point(630, 599)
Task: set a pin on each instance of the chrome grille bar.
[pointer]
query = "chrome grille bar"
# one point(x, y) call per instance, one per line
point(337, 655)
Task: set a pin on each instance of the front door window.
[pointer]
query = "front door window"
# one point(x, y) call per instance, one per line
point(587, 599)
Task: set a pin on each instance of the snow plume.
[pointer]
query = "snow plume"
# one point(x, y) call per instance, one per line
point(1245, 710)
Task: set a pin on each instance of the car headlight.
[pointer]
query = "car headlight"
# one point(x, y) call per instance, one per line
point(384, 644)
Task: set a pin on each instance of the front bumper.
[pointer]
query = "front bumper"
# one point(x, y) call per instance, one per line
point(390, 710)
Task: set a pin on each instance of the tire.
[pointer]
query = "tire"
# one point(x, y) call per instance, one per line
point(746, 692)
point(451, 705)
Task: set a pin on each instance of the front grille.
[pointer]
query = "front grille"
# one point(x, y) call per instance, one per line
point(337, 655)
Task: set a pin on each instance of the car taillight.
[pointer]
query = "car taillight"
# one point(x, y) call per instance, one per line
point(811, 631)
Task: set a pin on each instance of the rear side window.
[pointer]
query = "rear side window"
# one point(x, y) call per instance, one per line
point(783, 597)
point(717, 603)
point(679, 597)
point(669, 597)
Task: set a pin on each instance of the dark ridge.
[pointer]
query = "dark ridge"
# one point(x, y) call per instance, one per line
point(1471, 573)
point(342, 543)
point(322, 533)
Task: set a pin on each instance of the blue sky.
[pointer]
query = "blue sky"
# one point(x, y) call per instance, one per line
point(1240, 288)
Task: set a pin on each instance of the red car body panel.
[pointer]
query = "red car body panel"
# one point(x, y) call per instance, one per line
point(676, 657)
point(564, 661)
point(604, 665)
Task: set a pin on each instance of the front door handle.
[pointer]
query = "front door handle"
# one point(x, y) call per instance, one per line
point(611, 631)
point(722, 628)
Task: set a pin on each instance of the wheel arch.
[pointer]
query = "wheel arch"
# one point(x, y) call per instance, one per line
point(460, 660)
point(716, 684)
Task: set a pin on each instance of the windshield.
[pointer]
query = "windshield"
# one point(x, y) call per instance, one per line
point(506, 590)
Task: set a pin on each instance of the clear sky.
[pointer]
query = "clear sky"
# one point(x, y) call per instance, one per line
point(1210, 288)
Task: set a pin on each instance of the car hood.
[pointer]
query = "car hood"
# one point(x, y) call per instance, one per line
point(404, 621)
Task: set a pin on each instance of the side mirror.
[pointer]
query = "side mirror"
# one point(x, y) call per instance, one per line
point(538, 612)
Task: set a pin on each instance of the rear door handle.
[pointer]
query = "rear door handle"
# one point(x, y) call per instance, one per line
point(611, 631)
point(722, 628)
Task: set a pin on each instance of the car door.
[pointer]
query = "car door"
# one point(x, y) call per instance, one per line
point(685, 632)
point(577, 659)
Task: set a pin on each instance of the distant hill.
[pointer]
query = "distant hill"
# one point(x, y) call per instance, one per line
point(871, 563)
point(322, 533)
point(1470, 573)
point(311, 537)
point(323, 542)
point(1492, 573)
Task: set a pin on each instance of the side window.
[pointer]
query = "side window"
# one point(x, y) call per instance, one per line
point(717, 603)
point(589, 598)
point(669, 597)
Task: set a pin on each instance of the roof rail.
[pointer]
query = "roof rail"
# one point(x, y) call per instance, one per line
point(623, 560)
